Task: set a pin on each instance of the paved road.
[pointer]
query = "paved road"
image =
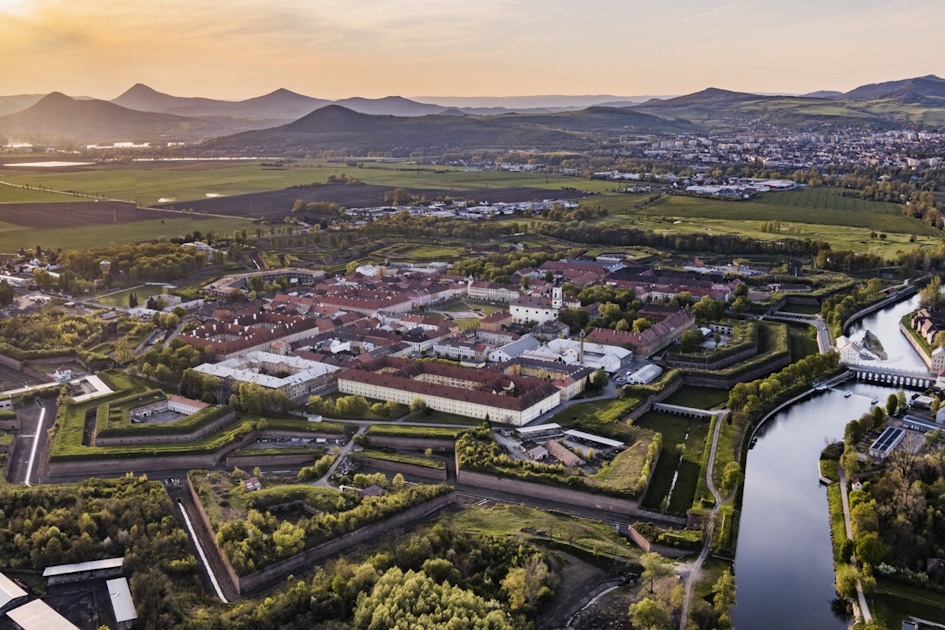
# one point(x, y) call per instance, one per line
point(824, 339)
point(864, 608)
point(695, 570)
point(32, 442)
point(343, 453)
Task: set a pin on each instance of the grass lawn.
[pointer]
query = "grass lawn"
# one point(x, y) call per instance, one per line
point(676, 430)
point(456, 307)
point(624, 470)
point(893, 602)
point(485, 307)
point(698, 397)
point(802, 343)
point(520, 521)
point(400, 430)
point(601, 416)
point(441, 417)
point(402, 458)
point(13, 237)
point(465, 323)
point(838, 531)
point(421, 253)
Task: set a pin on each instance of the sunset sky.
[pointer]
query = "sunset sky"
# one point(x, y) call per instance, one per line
point(237, 49)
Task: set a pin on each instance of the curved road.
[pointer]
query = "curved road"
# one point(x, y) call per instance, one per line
point(695, 568)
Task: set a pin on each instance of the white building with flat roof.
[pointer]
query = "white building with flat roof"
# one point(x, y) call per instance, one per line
point(38, 615)
point(11, 594)
point(571, 352)
point(301, 376)
point(122, 603)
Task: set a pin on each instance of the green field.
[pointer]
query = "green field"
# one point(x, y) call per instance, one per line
point(893, 602)
point(420, 253)
point(814, 213)
point(182, 181)
point(605, 417)
point(14, 194)
point(819, 214)
point(674, 430)
point(803, 343)
point(520, 521)
point(698, 397)
point(403, 458)
point(13, 237)
point(405, 430)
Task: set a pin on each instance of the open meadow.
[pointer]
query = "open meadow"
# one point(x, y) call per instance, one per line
point(151, 183)
point(818, 214)
point(19, 194)
point(260, 189)
point(14, 237)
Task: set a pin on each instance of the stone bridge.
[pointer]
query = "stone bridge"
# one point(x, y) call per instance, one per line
point(691, 412)
point(889, 376)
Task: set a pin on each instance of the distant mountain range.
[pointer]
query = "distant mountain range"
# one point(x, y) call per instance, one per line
point(336, 127)
point(286, 121)
point(62, 119)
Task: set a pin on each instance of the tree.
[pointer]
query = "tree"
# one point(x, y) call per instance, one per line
point(398, 482)
point(931, 295)
point(731, 476)
point(124, 353)
point(415, 600)
point(289, 539)
point(846, 550)
point(707, 309)
point(892, 404)
point(640, 324)
point(845, 581)
point(654, 568)
point(723, 593)
point(869, 548)
point(6, 293)
point(691, 340)
point(418, 405)
point(647, 614)
point(599, 380)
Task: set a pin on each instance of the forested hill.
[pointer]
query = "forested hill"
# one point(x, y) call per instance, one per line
point(335, 127)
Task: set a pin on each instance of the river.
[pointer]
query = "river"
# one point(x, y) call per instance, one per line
point(784, 562)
